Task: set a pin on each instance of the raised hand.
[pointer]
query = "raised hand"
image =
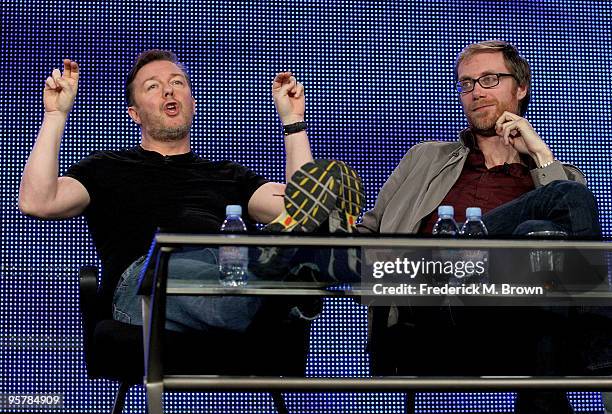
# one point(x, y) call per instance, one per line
point(61, 88)
point(289, 99)
point(518, 132)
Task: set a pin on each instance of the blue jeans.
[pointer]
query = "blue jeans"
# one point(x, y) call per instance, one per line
point(569, 207)
point(560, 206)
point(521, 340)
point(185, 313)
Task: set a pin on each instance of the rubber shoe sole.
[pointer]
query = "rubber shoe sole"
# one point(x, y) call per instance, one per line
point(349, 202)
point(310, 196)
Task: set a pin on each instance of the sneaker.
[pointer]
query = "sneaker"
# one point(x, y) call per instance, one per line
point(310, 196)
point(320, 193)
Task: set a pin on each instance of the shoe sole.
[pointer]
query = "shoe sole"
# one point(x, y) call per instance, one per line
point(351, 198)
point(310, 196)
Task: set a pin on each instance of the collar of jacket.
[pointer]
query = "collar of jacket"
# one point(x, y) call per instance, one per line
point(450, 171)
point(465, 142)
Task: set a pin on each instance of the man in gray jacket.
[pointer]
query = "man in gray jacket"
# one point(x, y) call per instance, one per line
point(502, 165)
point(494, 87)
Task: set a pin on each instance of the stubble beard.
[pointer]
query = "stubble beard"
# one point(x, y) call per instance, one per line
point(485, 126)
point(162, 133)
point(482, 129)
point(165, 134)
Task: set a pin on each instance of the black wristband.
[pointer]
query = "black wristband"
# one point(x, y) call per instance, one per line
point(294, 128)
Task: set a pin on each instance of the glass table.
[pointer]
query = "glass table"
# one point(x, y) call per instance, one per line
point(558, 272)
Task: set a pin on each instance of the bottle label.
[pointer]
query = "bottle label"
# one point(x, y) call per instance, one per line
point(233, 254)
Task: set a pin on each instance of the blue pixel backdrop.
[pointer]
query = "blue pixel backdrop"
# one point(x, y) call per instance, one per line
point(378, 79)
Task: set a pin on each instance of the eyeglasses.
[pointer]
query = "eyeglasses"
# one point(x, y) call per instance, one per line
point(486, 81)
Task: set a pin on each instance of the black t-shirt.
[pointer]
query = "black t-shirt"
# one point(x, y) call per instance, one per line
point(133, 192)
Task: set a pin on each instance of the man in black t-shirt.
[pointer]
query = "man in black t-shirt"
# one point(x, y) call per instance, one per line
point(126, 195)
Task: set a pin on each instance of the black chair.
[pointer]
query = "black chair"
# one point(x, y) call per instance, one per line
point(114, 350)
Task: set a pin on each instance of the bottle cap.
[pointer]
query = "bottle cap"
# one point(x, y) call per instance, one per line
point(446, 211)
point(233, 210)
point(473, 212)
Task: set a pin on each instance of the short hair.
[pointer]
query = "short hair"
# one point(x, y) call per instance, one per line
point(144, 58)
point(519, 67)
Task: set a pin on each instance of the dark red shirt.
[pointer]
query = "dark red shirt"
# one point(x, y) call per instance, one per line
point(478, 186)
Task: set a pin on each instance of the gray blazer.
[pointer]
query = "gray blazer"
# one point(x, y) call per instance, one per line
point(425, 175)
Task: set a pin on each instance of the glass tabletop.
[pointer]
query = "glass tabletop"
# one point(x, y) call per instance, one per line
point(391, 270)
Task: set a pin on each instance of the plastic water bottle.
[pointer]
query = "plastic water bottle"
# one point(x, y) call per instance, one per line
point(473, 226)
point(233, 260)
point(446, 225)
point(478, 259)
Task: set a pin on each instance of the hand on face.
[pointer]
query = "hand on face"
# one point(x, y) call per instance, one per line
point(60, 89)
point(518, 132)
point(288, 95)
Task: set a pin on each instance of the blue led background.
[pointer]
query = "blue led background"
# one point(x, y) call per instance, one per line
point(378, 78)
